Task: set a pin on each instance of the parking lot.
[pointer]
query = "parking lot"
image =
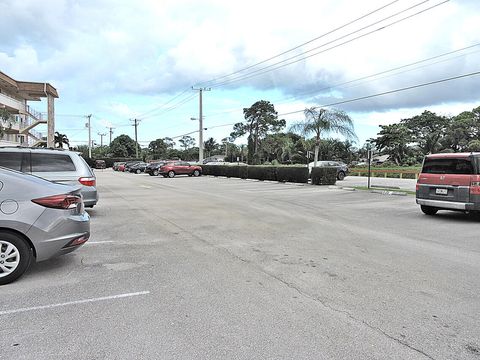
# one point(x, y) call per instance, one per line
point(216, 268)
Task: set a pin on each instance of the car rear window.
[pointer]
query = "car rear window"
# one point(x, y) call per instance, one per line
point(11, 160)
point(51, 163)
point(448, 166)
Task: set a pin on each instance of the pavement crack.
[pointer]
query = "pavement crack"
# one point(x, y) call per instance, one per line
point(298, 289)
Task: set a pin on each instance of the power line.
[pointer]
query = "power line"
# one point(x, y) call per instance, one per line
point(388, 92)
point(284, 100)
point(282, 64)
point(166, 103)
point(173, 107)
point(300, 45)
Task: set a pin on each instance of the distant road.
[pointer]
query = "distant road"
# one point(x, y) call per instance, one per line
point(404, 184)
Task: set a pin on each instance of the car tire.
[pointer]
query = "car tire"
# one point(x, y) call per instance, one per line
point(428, 210)
point(196, 173)
point(171, 174)
point(13, 246)
point(341, 175)
point(155, 172)
point(138, 171)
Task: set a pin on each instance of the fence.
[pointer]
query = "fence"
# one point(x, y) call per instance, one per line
point(395, 173)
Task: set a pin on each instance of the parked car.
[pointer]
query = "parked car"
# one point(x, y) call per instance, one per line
point(39, 219)
point(342, 169)
point(138, 168)
point(116, 165)
point(449, 182)
point(100, 164)
point(153, 168)
point(129, 164)
point(57, 165)
point(170, 169)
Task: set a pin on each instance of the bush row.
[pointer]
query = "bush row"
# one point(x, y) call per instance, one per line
point(324, 175)
point(274, 173)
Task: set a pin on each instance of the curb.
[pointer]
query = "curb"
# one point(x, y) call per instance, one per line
point(387, 192)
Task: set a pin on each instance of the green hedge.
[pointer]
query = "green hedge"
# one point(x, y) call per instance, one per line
point(294, 174)
point(225, 170)
point(274, 173)
point(324, 175)
point(260, 172)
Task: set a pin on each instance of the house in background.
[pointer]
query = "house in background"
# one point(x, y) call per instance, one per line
point(15, 96)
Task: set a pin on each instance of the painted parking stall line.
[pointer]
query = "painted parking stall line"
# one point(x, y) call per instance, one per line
point(76, 302)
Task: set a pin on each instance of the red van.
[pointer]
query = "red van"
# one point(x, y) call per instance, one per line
point(449, 182)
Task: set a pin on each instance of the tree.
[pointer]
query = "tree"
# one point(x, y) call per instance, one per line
point(323, 121)
point(4, 117)
point(60, 140)
point(187, 142)
point(210, 145)
point(123, 146)
point(158, 148)
point(427, 130)
point(260, 120)
point(461, 130)
point(394, 140)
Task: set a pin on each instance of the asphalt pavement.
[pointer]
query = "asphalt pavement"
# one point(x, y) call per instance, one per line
point(215, 268)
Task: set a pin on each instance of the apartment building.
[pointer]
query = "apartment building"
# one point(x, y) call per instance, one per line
point(19, 128)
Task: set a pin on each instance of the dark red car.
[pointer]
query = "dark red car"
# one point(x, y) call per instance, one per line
point(170, 169)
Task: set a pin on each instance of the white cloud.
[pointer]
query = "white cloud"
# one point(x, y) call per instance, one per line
point(96, 52)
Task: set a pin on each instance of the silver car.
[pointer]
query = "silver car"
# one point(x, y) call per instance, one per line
point(58, 165)
point(342, 169)
point(38, 220)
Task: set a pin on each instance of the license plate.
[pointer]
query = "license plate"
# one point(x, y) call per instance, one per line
point(441, 191)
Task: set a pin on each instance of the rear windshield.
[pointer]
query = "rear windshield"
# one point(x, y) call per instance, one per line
point(449, 166)
point(51, 163)
point(11, 160)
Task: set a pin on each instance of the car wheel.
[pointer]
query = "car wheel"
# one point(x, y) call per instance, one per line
point(341, 175)
point(15, 257)
point(428, 210)
point(138, 171)
point(155, 172)
point(196, 173)
point(171, 174)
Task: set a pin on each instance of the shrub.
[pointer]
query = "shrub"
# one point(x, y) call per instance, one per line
point(262, 172)
point(324, 175)
point(295, 174)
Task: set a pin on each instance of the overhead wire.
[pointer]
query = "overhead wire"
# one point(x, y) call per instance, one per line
point(302, 44)
point(341, 85)
point(282, 64)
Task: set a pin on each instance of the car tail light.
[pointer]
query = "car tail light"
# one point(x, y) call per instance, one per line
point(87, 181)
point(64, 201)
point(475, 188)
point(78, 241)
point(417, 186)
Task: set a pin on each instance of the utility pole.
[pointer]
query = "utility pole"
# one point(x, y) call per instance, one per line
point(135, 123)
point(111, 132)
point(200, 123)
point(101, 138)
point(89, 135)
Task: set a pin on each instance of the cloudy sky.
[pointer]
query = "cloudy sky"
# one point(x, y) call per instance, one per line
point(120, 60)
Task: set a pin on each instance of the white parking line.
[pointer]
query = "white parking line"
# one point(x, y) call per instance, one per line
point(43, 307)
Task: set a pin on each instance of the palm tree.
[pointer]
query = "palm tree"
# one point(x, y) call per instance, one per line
point(323, 121)
point(60, 140)
point(210, 145)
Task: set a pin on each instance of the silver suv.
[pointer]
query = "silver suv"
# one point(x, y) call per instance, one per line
point(57, 165)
